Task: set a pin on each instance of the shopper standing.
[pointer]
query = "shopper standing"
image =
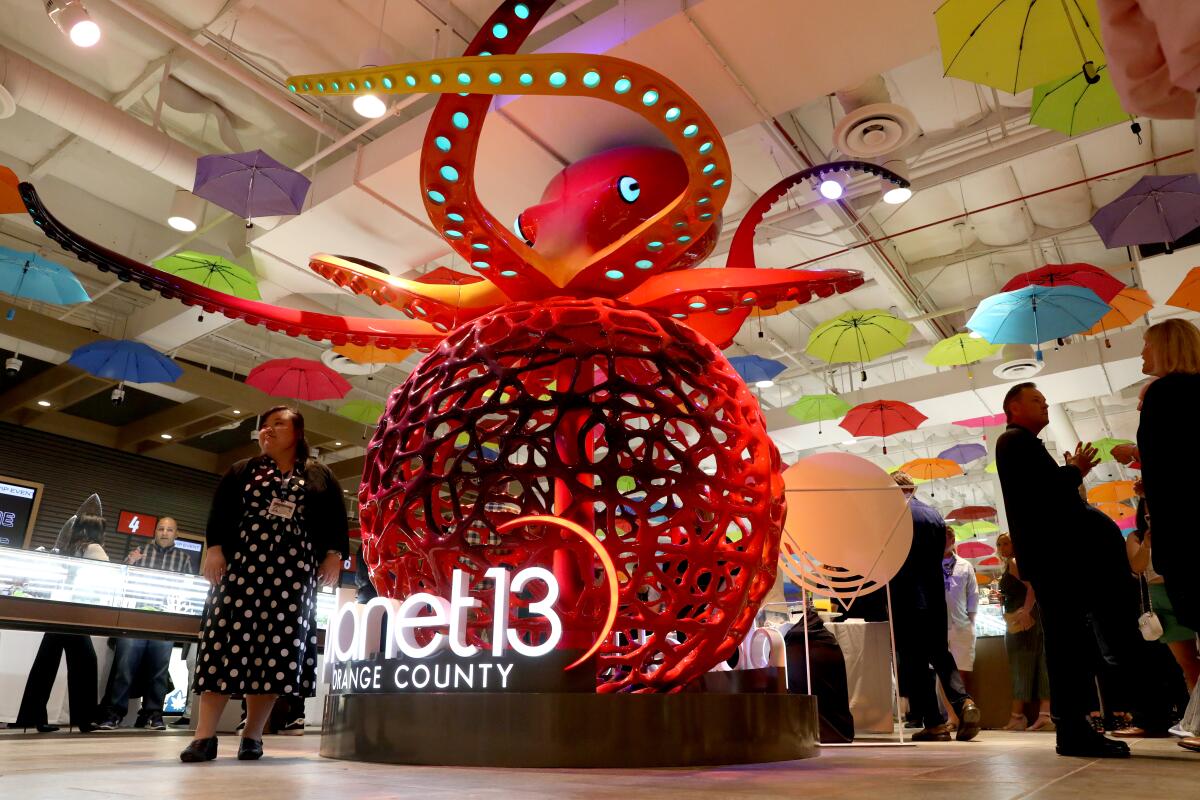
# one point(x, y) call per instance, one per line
point(1023, 642)
point(962, 602)
point(278, 523)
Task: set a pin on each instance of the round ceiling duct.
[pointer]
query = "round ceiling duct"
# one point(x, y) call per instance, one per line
point(875, 130)
point(1017, 362)
point(348, 366)
point(8, 106)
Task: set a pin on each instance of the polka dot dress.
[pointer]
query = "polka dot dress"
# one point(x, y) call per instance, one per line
point(259, 634)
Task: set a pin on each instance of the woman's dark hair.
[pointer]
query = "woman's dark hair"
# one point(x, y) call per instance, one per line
point(88, 529)
point(302, 449)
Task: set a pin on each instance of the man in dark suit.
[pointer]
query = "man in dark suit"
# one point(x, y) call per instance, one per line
point(1052, 527)
point(918, 599)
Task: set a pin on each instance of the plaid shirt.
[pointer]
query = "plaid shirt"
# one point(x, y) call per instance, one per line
point(170, 558)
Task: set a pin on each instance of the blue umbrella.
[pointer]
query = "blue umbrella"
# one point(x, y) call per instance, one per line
point(126, 360)
point(31, 276)
point(963, 453)
point(1037, 314)
point(756, 369)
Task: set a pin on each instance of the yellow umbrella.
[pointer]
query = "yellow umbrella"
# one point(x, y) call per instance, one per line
point(1015, 45)
point(1111, 492)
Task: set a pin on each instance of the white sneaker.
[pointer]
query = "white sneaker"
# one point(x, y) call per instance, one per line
point(1180, 731)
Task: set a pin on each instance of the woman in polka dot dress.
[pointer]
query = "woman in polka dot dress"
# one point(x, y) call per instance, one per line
point(277, 525)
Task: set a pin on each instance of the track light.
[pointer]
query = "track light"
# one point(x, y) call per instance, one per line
point(831, 187)
point(767, 384)
point(894, 194)
point(371, 106)
point(186, 211)
point(72, 18)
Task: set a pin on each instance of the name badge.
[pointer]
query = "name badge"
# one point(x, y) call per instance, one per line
point(282, 508)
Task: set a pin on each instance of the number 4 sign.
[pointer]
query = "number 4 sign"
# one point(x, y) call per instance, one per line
point(136, 524)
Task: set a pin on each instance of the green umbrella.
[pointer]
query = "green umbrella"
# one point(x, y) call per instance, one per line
point(858, 337)
point(363, 411)
point(959, 350)
point(818, 408)
point(1105, 446)
point(218, 274)
point(1073, 106)
point(991, 468)
point(969, 530)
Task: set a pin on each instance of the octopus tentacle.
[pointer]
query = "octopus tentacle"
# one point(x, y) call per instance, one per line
point(384, 333)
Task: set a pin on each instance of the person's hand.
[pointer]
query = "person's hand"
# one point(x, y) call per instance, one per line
point(1125, 453)
point(1138, 488)
point(1083, 458)
point(214, 565)
point(134, 557)
point(330, 571)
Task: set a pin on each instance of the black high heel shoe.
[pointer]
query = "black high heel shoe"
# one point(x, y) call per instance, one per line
point(40, 727)
point(250, 749)
point(199, 750)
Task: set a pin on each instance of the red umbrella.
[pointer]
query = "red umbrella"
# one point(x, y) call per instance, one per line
point(1089, 277)
point(882, 418)
point(298, 378)
point(970, 513)
point(975, 550)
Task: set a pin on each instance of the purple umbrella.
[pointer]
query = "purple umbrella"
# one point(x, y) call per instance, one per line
point(964, 453)
point(250, 184)
point(1158, 208)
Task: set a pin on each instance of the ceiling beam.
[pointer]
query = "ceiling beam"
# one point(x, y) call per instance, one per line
point(349, 468)
point(32, 389)
point(169, 420)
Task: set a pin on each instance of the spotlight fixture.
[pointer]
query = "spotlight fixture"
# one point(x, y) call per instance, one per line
point(118, 395)
point(767, 384)
point(831, 188)
point(73, 19)
point(186, 211)
point(896, 193)
point(12, 365)
point(371, 105)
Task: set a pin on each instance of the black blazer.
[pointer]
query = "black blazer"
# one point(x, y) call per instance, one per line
point(324, 509)
point(1167, 436)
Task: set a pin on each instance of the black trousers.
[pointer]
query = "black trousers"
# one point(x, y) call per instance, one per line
point(1080, 635)
point(922, 658)
point(81, 679)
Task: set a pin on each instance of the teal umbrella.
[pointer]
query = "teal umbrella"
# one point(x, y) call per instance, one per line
point(30, 276)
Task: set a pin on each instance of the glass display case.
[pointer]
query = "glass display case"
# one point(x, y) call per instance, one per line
point(989, 620)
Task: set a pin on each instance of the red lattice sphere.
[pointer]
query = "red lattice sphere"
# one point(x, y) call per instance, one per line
point(624, 421)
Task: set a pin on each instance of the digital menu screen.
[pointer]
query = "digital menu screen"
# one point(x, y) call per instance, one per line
point(16, 510)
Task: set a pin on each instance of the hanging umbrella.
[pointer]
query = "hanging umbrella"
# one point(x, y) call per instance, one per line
point(756, 369)
point(1105, 445)
point(858, 337)
point(1074, 105)
point(298, 378)
point(990, 421)
point(125, 360)
point(968, 513)
point(975, 550)
point(445, 276)
point(929, 469)
point(1127, 308)
point(30, 276)
point(366, 412)
point(1037, 314)
point(10, 197)
point(217, 273)
point(1014, 45)
point(370, 354)
point(882, 418)
point(250, 184)
point(959, 350)
point(964, 453)
point(1115, 511)
point(1156, 209)
point(1111, 492)
point(818, 408)
point(991, 468)
point(1187, 294)
point(1088, 276)
point(970, 530)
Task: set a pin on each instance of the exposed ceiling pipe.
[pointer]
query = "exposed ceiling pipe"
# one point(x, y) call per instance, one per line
point(43, 93)
point(273, 95)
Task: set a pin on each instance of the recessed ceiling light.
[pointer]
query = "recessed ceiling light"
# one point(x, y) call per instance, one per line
point(337, 444)
point(369, 106)
point(166, 436)
point(235, 411)
point(44, 403)
point(767, 384)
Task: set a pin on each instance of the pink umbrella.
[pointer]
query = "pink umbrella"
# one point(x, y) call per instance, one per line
point(982, 422)
point(298, 378)
point(975, 550)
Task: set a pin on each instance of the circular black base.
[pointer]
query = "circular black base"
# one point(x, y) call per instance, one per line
point(570, 730)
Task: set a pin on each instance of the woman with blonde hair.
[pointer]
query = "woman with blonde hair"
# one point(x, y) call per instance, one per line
point(1023, 641)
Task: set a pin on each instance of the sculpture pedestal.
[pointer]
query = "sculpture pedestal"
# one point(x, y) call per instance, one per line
point(570, 729)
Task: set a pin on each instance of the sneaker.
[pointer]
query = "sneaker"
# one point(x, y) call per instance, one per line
point(140, 722)
point(182, 722)
point(109, 724)
point(155, 723)
point(293, 728)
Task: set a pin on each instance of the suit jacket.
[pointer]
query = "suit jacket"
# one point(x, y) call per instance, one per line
point(919, 583)
point(1167, 435)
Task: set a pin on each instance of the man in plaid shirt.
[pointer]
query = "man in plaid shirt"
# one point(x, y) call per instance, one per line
point(149, 657)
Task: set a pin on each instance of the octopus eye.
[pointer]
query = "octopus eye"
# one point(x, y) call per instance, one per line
point(629, 189)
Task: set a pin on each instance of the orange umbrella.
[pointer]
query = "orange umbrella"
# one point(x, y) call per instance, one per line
point(10, 199)
point(1127, 306)
point(370, 354)
point(1187, 294)
point(1111, 492)
point(928, 469)
point(1115, 511)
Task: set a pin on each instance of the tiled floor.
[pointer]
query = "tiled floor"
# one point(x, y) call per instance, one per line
point(997, 765)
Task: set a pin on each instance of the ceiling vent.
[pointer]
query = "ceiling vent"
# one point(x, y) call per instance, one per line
point(874, 130)
point(1017, 363)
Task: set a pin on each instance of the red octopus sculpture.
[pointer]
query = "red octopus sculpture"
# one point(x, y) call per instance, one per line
point(577, 374)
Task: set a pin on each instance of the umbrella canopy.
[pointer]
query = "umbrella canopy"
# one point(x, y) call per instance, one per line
point(1158, 208)
point(1037, 314)
point(959, 350)
point(990, 421)
point(31, 276)
point(218, 274)
point(1127, 308)
point(126, 360)
point(1073, 105)
point(1187, 294)
point(1088, 276)
point(1015, 45)
point(857, 336)
point(365, 411)
point(882, 418)
point(1111, 492)
point(963, 453)
point(1115, 511)
point(756, 369)
point(968, 513)
point(298, 378)
point(928, 469)
point(991, 468)
point(970, 530)
point(1105, 445)
point(818, 408)
point(250, 184)
point(370, 354)
point(975, 550)
point(10, 197)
